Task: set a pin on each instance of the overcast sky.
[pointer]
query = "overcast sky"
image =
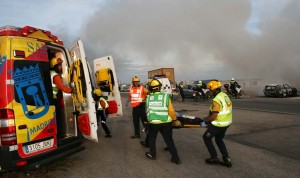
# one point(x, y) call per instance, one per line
point(201, 39)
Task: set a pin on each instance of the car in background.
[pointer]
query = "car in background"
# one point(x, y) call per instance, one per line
point(279, 90)
point(188, 91)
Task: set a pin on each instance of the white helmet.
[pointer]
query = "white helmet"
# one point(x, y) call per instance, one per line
point(232, 79)
point(200, 81)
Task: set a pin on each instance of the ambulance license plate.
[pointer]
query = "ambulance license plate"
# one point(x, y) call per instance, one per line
point(39, 146)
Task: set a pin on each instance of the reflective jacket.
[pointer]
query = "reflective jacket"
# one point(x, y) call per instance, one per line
point(54, 86)
point(157, 105)
point(136, 95)
point(103, 102)
point(224, 117)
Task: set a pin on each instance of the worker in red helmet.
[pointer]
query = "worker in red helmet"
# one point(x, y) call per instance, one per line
point(218, 121)
point(137, 97)
point(57, 89)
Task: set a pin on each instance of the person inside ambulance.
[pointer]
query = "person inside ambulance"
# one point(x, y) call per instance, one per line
point(57, 89)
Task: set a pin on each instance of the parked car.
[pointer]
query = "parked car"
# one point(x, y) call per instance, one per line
point(188, 91)
point(280, 90)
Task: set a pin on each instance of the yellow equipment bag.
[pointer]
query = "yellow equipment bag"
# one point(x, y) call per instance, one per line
point(105, 79)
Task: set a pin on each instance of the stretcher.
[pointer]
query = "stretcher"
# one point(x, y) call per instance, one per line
point(188, 121)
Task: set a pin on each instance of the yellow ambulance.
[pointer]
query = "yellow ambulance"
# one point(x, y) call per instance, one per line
point(28, 116)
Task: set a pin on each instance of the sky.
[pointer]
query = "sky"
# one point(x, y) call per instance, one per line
point(200, 39)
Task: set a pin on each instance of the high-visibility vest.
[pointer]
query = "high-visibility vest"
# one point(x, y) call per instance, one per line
point(199, 85)
point(102, 104)
point(136, 95)
point(54, 86)
point(224, 117)
point(157, 108)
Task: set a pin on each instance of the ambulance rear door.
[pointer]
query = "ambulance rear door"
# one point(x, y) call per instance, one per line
point(113, 97)
point(83, 99)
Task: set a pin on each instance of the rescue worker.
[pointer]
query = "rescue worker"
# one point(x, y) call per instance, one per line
point(199, 88)
point(160, 114)
point(181, 90)
point(58, 88)
point(101, 110)
point(137, 97)
point(233, 86)
point(218, 121)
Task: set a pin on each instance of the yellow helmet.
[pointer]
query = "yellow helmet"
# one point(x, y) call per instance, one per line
point(98, 92)
point(135, 79)
point(155, 85)
point(55, 61)
point(214, 84)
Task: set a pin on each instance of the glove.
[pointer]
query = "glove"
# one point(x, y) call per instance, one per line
point(176, 124)
point(203, 124)
point(72, 85)
point(127, 104)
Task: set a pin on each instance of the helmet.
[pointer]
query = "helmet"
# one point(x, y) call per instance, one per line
point(135, 79)
point(200, 81)
point(55, 61)
point(98, 92)
point(214, 84)
point(232, 78)
point(155, 85)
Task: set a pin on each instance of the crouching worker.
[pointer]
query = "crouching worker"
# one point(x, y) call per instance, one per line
point(101, 107)
point(160, 114)
point(218, 120)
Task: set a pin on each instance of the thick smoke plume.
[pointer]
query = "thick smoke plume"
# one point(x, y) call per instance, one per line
point(201, 39)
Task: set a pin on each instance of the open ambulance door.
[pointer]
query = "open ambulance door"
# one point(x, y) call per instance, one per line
point(107, 81)
point(82, 98)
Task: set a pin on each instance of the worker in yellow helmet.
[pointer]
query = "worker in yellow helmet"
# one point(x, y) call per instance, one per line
point(137, 97)
point(101, 111)
point(57, 89)
point(218, 120)
point(160, 115)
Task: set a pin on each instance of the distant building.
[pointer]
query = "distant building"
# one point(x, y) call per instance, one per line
point(163, 72)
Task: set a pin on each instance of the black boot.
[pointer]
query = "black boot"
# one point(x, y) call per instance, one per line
point(212, 161)
point(227, 162)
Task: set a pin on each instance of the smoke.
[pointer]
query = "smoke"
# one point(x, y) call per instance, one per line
point(201, 39)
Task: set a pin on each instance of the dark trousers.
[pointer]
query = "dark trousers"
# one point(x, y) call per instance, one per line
point(182, 94)
point(218, 133)
point(101, 118)
point(234, 91)
point(166, 131)
point(60, 119)
point(139, 113)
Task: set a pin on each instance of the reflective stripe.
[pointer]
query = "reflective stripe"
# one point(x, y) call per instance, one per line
point(54, 87)
point(159, 108)
point(225, 123)
point(224, 112)
point(99, 104)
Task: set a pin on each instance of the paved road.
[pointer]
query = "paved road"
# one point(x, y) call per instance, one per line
point(261, 144)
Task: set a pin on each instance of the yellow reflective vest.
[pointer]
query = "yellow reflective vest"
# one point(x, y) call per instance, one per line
point(224, 117)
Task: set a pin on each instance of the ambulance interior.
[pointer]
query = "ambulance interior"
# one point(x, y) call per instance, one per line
point(67, 121)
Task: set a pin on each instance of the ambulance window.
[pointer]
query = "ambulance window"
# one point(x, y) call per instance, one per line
point(32, 83)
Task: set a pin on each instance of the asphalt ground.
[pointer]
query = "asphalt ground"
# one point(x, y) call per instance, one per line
point(260, 143)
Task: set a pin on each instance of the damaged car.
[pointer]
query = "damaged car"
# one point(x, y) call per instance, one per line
point(280, 90)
